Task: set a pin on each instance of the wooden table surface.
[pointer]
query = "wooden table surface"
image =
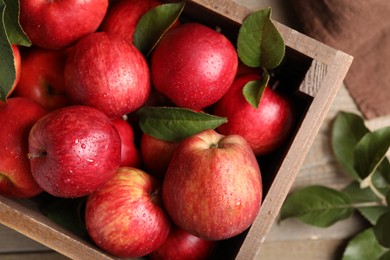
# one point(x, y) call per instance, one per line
point(289, 239)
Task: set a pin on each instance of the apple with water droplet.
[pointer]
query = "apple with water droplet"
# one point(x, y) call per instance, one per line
point(73, 151)
point(213, 186)
point(193, 65)
point(17, 116)
point(105, 72)
point(265, 128)
point(125, 216)
point(58, 24)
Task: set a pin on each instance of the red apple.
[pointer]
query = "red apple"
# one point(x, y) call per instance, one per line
point(129, 153)
point(181, 245)
point(193, 65)
point(213, 186)
point(123, 16)
point(73, 151)
point(264, 128)
point(17, 116)
point(58, 24)
point(105, 72)
point(156, 154)
point(42, 78)
point(17, 64)
point(124, 217)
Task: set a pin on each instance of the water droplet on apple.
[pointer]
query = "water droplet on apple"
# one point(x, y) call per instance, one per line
point(90, 160)
point(83, 146)
point(76, 141)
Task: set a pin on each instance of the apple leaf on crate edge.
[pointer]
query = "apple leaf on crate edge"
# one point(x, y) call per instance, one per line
point(152, 25)
point(174, 124)
point(259, 43)
point(317, 205)
point(10, 33)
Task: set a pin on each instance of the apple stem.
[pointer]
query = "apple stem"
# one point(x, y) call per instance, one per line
point(36, 155)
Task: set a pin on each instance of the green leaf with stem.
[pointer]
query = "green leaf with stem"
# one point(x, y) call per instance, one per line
point(367, 203)
point(259, 43)
point(153, 25)
point(174, 124)
point(317, 205)
point(364, 246)
point(370, 151)
point(348, 129)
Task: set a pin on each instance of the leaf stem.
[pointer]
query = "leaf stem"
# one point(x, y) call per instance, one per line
point(367, 183)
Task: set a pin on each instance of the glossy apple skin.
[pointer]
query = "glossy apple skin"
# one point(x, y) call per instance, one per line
point(17, 116)
point(122, 17)
point(73, 151)
point(193, 65)
point(213, 186)
point(105, 72)
point(124, 217)
point(58, 24)
point(264, 128)
point(42, 78)
point(129, 153)
point(156, 154)
point(181, 245)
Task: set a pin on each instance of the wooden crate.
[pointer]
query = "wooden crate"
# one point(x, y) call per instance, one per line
point(311, 71)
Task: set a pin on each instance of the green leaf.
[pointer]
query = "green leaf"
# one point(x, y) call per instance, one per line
point(253, 90)
point(363, 246)
point(370, 151)
point(174, 124)
point(68, 213)
point(381, 176)
point(365, 201)
point(259, 43)
point(15, 33)
point(382, 229)
point(317, 205)
point(7, 67)
point(347, 130)
point(152, 25)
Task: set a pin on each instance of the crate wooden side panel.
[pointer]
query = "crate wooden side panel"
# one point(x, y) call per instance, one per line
point(317, 71)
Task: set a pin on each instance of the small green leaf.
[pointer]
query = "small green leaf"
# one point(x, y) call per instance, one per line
point(15, 32)
point(381, 176)
point(347, 130)
point(259, 43)
point(382, 229)
point(317, 205)
point(365, 201)
point(7, 67)
point(174, 124)
point(253, 90)
point(370, 151)
point(68, 213)
point(152, 25)
point(363, 246)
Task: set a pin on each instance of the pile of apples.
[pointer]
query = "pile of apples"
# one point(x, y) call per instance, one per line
point(69, 128)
